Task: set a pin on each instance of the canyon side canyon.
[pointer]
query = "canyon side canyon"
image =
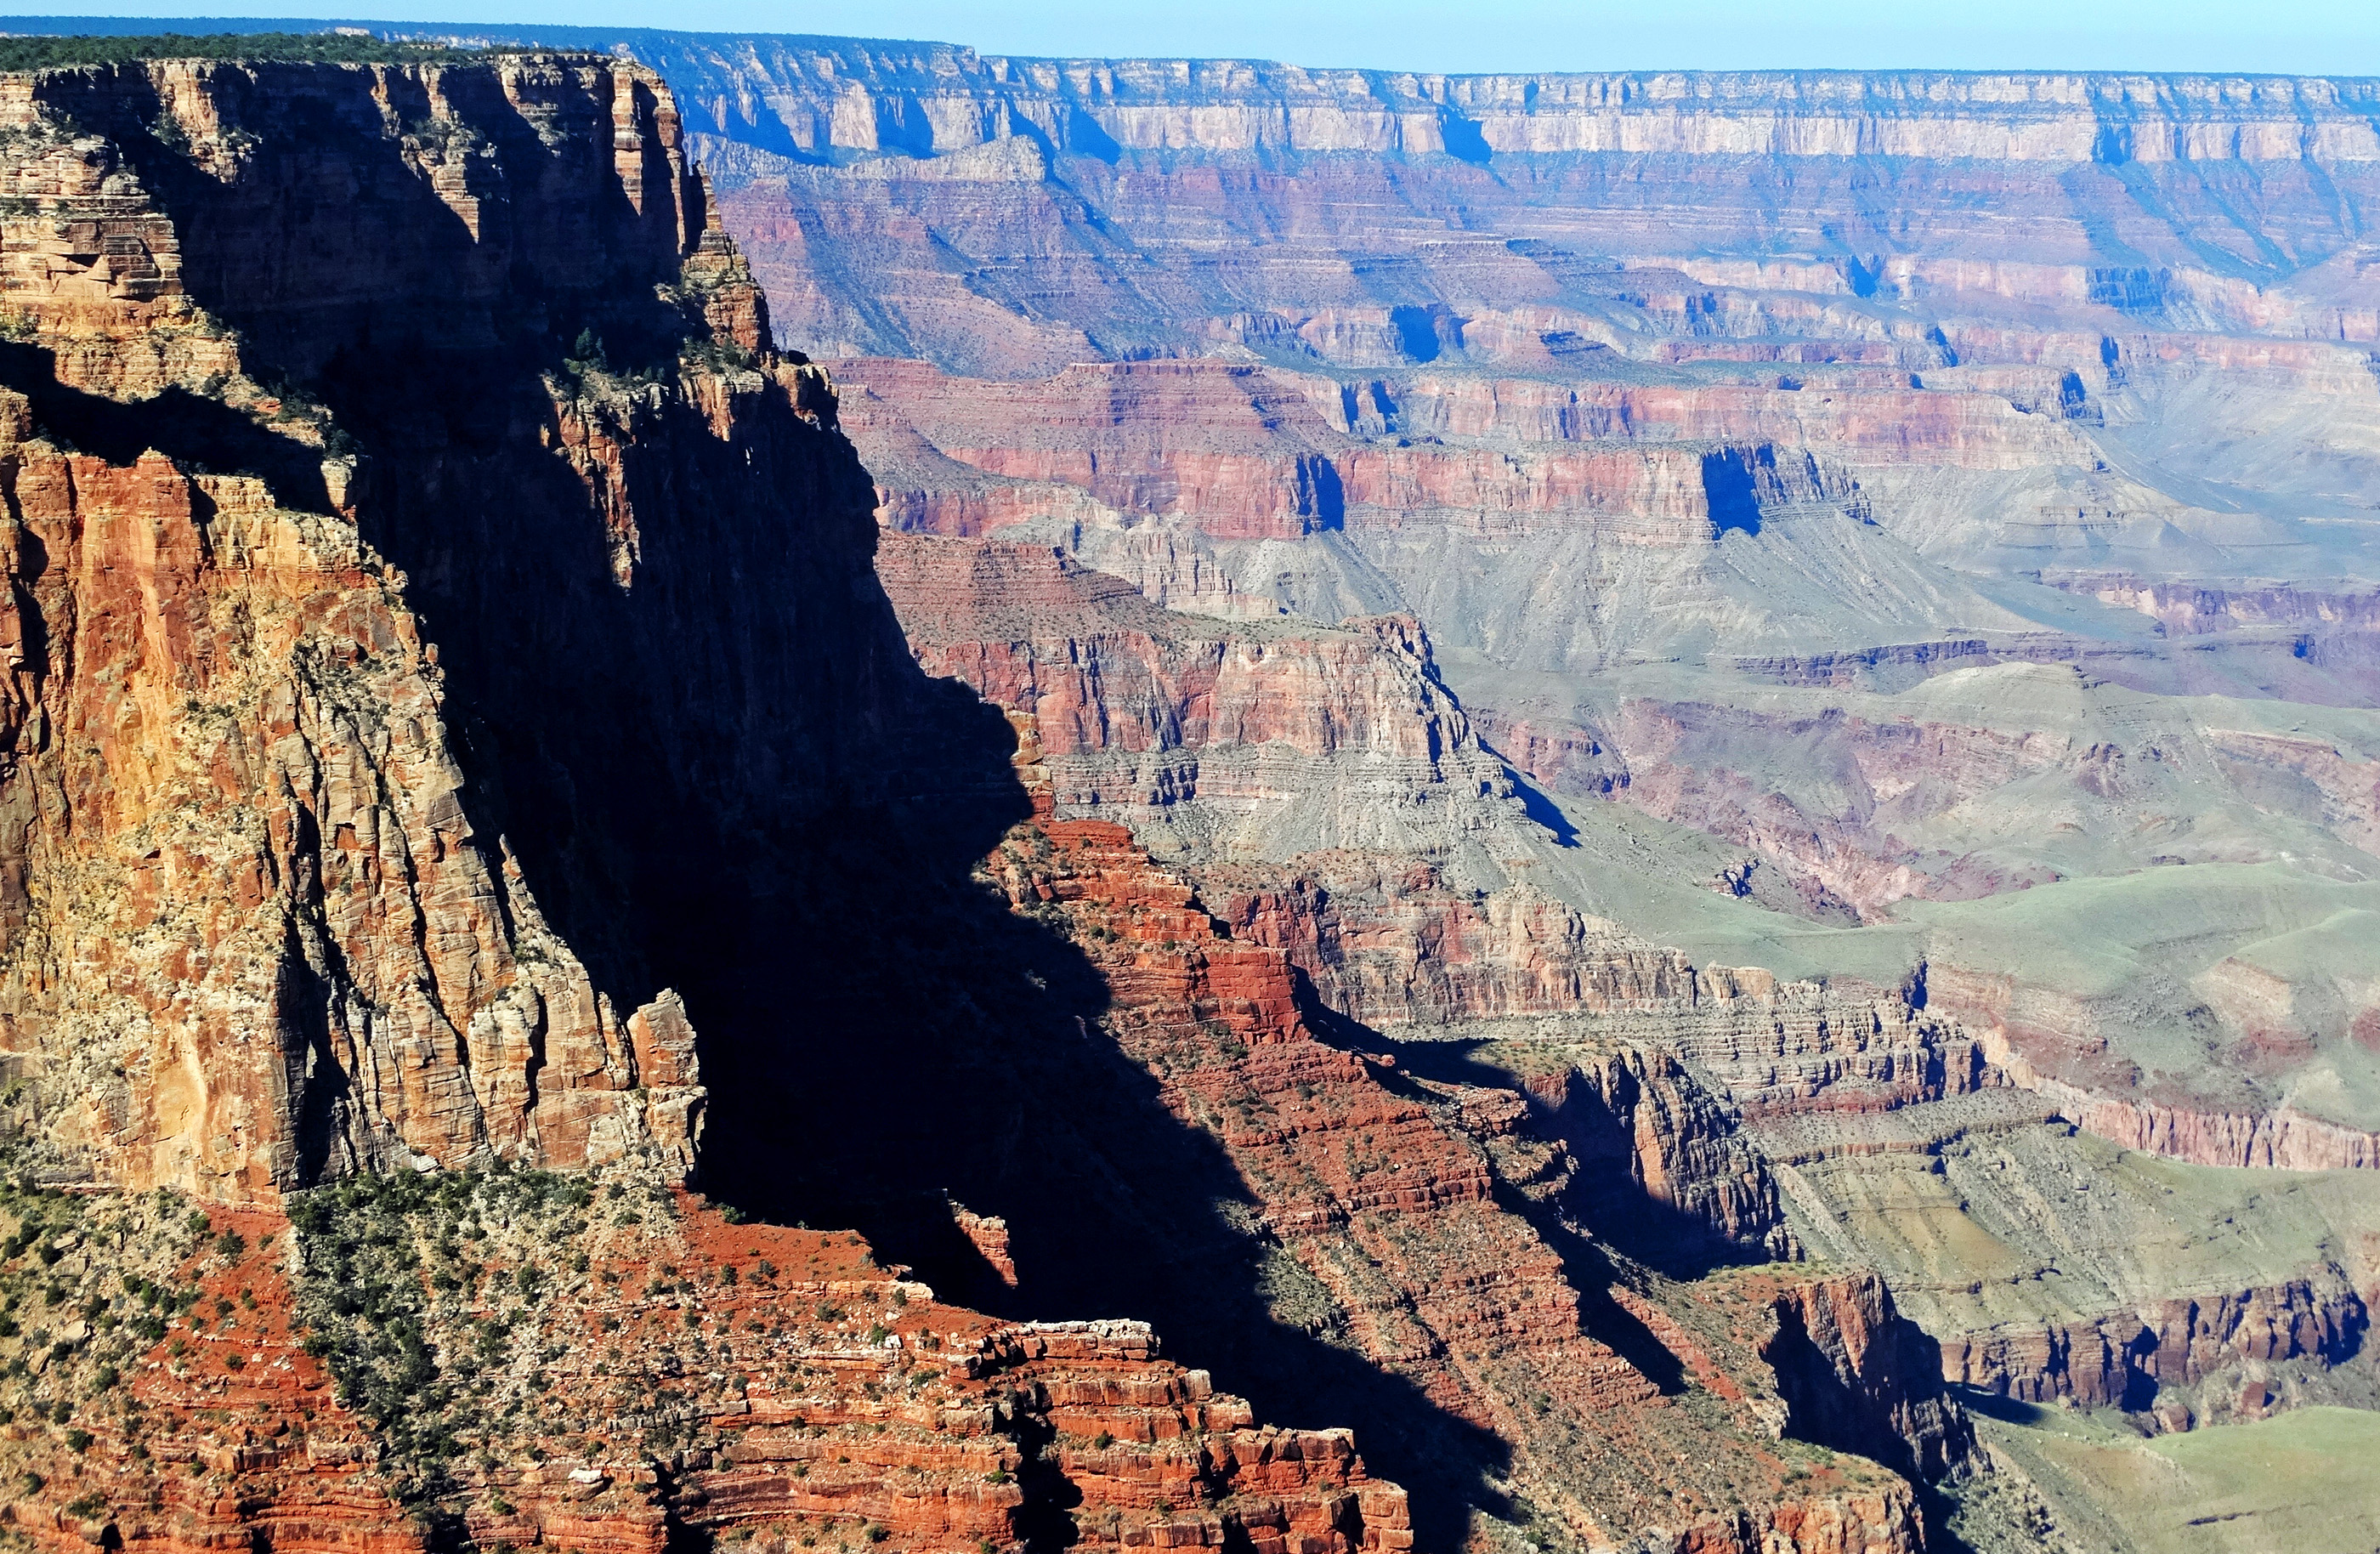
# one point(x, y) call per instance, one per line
point(769, 792)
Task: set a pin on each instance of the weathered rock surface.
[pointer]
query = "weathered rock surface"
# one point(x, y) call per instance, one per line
point(1245, 737)
point(535, 665)
point(1882, 1397)
point(254, 935)
point(857, 1401)
point(1394, 1206)
point(2166, 1352)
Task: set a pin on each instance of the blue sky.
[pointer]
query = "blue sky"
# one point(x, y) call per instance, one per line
point(2290, 36)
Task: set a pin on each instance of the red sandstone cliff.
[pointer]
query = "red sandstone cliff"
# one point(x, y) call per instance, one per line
point(915, 1422)
point(1401, 1206)
point(254, 934)
point(543, 649)
point(272, 920)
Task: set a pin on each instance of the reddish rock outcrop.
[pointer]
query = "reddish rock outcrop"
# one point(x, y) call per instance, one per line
point(228, 735)
point(1245, 453)
point(1234, 446)
point(1334, 1157)
point(254, 935)
point(1854, 1373)
point(220, 1429)
point(1389, 1207)
point(2285, 1139)
point(2166, 1352)
point(933, 1429)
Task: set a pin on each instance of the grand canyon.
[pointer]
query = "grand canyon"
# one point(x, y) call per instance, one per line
point(781, 793)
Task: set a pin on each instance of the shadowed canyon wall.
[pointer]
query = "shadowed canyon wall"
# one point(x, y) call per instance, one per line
point(1417, 730)
point(470, 787)
point(1900, 542)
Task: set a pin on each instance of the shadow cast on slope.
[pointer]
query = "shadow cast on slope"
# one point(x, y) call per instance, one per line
point(699, 731)
point(1572, 1226)
point(203, 436)
point(1535, 801)
point(1604, 1220)
point(1606, 1197)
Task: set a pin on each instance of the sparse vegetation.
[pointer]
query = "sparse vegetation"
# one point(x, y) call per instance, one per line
point(307, 48)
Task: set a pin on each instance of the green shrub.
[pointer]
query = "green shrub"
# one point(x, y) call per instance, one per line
point(307, 48)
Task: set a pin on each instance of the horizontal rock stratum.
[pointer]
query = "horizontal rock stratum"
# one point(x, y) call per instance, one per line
point(1378, 751)
point(470, 787)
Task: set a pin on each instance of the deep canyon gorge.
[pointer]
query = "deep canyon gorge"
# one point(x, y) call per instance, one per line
point(781, 793)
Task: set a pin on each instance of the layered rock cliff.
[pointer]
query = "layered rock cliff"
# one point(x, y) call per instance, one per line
point(1641, 453)
point(2171, 1350)
point(443, 625)
point(260, 932)
point(328, 1405)
point(1428, 1226)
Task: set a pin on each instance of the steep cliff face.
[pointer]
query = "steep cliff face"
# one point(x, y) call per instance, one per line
point(924, 98)
point(256, 937)
point(1425, 1225)
point(1854, 1372)
point(2170, 1352)
point(259, 929)
point(536, 657)
point(1263, 737)
point(1638, 1126)
point(419, 666)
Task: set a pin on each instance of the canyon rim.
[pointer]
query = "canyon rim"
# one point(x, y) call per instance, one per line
point(777, 792)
